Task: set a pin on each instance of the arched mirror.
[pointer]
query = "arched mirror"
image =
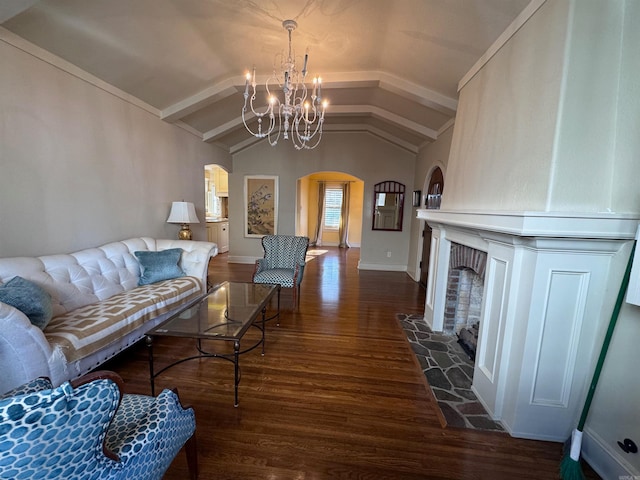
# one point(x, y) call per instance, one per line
point(388, 203)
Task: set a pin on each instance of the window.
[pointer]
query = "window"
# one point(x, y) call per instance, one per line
point(332, 207)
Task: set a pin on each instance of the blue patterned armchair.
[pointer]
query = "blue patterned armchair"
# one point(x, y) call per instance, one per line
point(283, 263)
point(86, 429)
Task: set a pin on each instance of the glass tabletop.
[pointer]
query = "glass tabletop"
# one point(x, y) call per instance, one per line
point(225, 313)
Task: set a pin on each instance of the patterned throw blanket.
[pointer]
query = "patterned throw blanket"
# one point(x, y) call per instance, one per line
point(86, 330)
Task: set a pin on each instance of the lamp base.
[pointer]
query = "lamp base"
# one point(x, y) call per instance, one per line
point(185, 232)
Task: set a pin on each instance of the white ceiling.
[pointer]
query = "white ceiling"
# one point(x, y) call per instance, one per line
point(389, 67)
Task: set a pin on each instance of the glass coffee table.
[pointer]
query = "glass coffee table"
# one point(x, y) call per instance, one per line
point(224, 314)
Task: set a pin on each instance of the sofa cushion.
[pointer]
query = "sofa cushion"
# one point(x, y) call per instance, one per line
point(158, 266)
point(88, 329)
point(29, 298)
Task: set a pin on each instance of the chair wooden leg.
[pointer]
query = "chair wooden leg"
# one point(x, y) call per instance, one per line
point(294, 297)
point(279, 290)
point(191, 449)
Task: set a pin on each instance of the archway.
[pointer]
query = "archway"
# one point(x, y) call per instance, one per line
point(436, 185)
point(307, 207)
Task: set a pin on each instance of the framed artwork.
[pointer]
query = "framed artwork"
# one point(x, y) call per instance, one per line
point(260, 205)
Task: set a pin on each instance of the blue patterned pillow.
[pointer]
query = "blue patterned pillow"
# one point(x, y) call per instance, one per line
point(158, 266)
point(29, 298)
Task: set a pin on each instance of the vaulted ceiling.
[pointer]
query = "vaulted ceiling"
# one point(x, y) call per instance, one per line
point(389, 67)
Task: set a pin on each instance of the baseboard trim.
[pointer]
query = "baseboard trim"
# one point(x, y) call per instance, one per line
point(606, 463)
point(242, 259)
point(382, 267)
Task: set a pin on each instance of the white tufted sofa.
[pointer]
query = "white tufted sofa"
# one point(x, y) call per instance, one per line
point(98, 307)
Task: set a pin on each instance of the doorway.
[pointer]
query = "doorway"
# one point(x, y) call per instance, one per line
point(436, 185)
point(216, 189)
point(322, 223)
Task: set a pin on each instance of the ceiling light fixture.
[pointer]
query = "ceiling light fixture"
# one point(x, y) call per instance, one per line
point(298, 116)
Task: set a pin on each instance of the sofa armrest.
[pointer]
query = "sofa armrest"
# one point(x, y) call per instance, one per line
point(195, 256)
point(25, 352)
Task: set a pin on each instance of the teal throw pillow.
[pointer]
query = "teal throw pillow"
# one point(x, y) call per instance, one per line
point(29, 298)
point(158, 266)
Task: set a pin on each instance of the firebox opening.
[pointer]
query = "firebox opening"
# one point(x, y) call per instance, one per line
point(464, 296)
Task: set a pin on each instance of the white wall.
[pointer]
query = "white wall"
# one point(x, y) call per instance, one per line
point(596, 159)
point(502, 153)
point(80, 166)
point(539, 130)
point(359, 154)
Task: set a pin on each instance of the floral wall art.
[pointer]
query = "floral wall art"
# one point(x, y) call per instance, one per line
point(261, 205)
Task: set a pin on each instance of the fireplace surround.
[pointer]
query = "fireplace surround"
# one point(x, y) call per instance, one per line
point(546, 294)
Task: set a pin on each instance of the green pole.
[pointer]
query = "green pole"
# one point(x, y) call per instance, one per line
point(570, 466)
point(607, 339)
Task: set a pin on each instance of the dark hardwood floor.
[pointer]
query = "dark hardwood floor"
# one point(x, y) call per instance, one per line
point(338, 394)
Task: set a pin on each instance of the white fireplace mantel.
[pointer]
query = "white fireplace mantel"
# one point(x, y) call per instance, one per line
point(549, 283)
point(538, 224)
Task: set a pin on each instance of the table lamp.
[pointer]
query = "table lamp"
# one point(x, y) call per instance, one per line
point(183, 213)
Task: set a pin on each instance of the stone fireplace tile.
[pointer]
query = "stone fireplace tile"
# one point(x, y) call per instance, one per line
point(458, 378)
point(483, 422)
point(468, 394)
point(449, 373)
point(468, 370)
point(442, 359)
point(434, 346)
point(446, 395)
point(472, 408)
point(453, 418)
point(437, 378)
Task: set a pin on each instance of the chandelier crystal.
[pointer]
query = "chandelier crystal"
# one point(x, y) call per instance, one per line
point(298, 115)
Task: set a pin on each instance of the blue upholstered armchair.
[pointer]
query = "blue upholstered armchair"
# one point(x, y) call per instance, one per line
point(87, 430)
point(283, 263)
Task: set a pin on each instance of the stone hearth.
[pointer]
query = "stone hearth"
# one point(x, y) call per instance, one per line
point(449, 372)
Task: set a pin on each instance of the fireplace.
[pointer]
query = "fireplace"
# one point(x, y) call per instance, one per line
point(465, 284)
point(546, 280)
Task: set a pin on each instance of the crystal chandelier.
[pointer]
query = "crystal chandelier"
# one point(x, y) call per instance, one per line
point(299, 116)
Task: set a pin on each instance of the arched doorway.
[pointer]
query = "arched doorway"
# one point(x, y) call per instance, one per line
point(436, 185)
point(311, 219)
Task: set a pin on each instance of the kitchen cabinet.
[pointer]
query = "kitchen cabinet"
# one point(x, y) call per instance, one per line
point(221, 182)
point(218, 232)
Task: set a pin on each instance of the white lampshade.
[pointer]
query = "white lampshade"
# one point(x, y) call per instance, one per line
point(183, 212)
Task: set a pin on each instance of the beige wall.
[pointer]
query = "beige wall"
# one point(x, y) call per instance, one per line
point(433, 155)
point(358, 154)
point(80, 167)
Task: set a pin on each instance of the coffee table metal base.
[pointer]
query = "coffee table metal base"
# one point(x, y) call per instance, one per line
point(233, 358)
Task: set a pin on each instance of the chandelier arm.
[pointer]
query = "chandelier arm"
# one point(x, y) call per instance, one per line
point(311, 147)
point(278, 130)
point(259, 115)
